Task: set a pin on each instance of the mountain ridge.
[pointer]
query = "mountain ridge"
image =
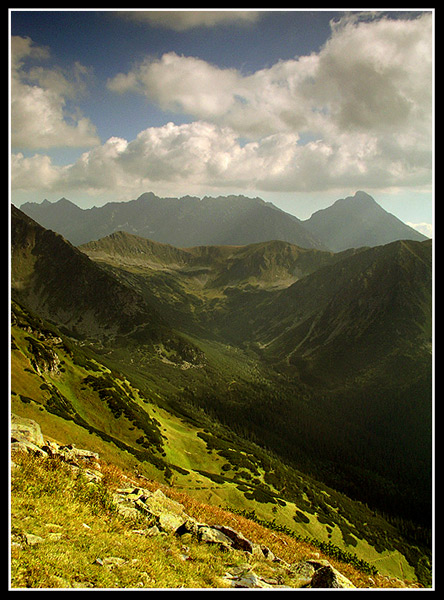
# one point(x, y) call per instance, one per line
point(54, 279)
point(368, 224)
point(232, 265)
point(186, 221)
point(330, 372)
point(225, 220)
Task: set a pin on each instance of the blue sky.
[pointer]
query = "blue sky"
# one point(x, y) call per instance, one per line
point(298, 107)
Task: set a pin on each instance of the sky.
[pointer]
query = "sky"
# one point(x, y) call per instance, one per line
point(297, 107)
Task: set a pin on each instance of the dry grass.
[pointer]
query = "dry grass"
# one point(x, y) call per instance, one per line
point(81, 532)
point(285, 547)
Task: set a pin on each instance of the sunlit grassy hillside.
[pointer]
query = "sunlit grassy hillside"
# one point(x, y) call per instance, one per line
point(77, 398)
point(66, 533)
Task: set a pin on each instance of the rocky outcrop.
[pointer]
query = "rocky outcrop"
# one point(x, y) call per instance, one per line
point(26, 436)
point(165, 516)
point(168, 516)
point(44, 358)
point(319, 573)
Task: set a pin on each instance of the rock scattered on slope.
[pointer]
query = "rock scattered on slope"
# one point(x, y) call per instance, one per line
point(167, 517)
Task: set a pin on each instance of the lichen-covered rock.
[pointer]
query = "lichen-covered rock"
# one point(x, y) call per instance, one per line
point(303, 573)
point(211, 535)
point(26, 431)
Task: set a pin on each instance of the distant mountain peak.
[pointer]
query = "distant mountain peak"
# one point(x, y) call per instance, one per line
point(350, 222)
point(181, 222)
point(146, 197)
point(357, 221)
point(360, 195)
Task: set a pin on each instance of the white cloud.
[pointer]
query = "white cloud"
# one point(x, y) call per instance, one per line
point(181, 20)
point(186, 85)
point(369, 76)
point(193, 154)
point(39, 115)
point(202, 155)
point(260, 104)
point(357, 114)
point(364, 102)
point(424, 228)
point(377, 75)
point(33, 173)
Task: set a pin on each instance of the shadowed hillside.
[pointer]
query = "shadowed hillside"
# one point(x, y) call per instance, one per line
point(290, 380)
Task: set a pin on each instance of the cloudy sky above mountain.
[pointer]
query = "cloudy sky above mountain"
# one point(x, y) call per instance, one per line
point(297, 107)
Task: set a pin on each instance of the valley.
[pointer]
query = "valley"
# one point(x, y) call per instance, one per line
point(331, 334)
point(190, 452)
point(292, 382)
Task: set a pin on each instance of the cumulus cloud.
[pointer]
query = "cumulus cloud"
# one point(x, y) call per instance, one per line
point(355, 114)
point(265, 102)
point(192, 154)
point(369, 76)
point(181, 20)
point(36, 172)
point(377, 74)
point(202, 155)
point(39, 115)
point(358, 111)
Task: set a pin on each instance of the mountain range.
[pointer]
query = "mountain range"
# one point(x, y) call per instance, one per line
point(318, 360)
point(342, 324)
point(233, 220)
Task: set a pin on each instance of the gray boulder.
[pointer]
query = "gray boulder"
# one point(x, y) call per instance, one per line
point(26, 436)
point(329, 577)
point(26, 430)
point(319, 574)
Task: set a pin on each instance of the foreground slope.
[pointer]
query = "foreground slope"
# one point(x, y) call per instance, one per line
point(112, 529)
point(76, 398)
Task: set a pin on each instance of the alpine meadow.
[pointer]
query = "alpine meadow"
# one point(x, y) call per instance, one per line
point(221, 299)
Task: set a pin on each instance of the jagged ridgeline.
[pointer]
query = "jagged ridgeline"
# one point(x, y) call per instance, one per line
point(191, 221)
point(236, 371)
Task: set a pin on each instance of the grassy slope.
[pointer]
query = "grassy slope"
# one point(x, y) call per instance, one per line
point(80, 526)
point(188, 458)
point(355, 332)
